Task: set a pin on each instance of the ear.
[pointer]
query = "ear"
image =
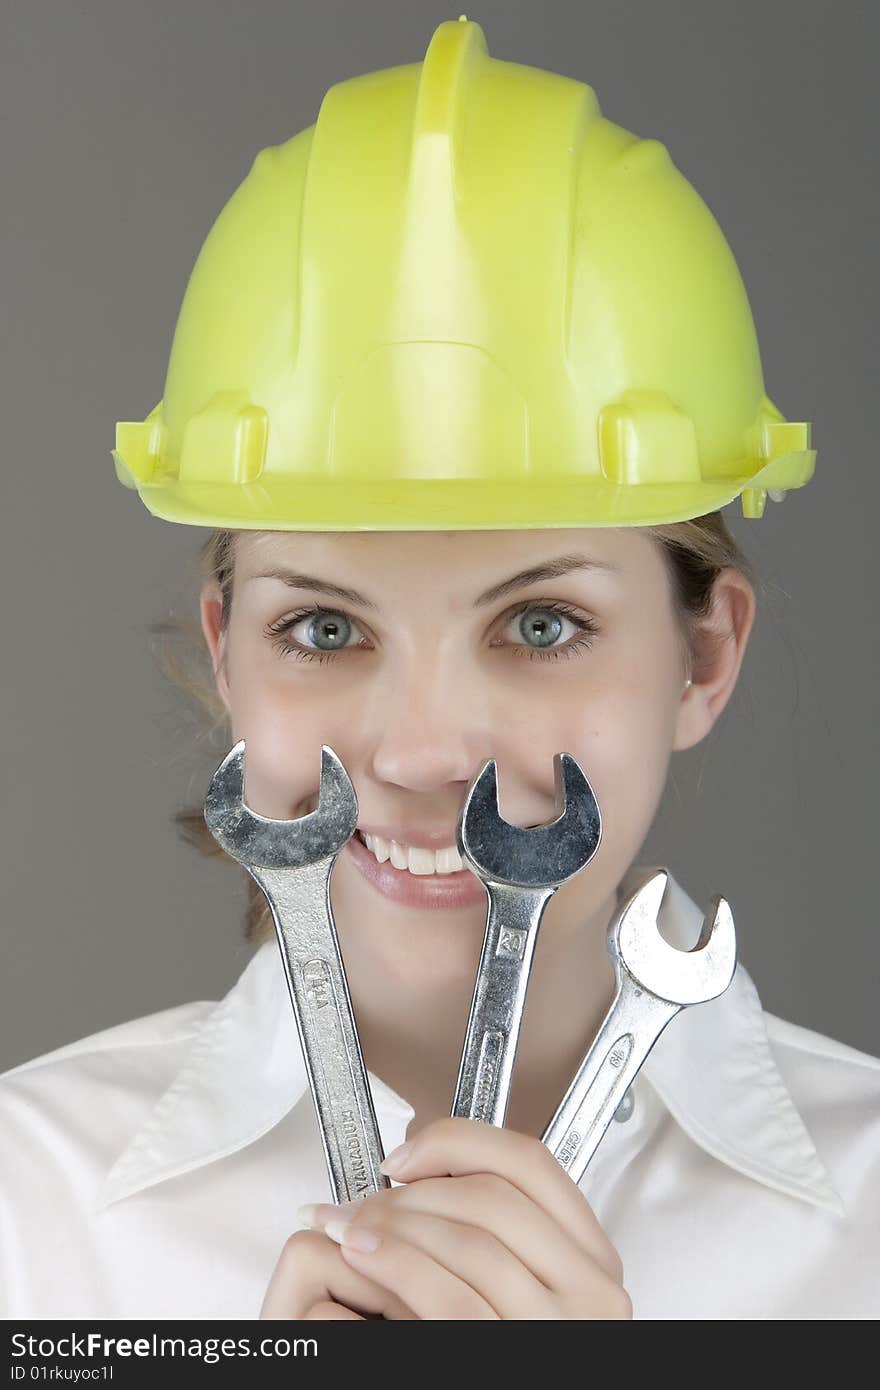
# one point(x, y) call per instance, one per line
point(211, 610)
point(720, 644)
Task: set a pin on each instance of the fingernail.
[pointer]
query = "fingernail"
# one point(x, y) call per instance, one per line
point(316, 1213)
point(396, 1160)
point(347, 1210)
point(355, 1237)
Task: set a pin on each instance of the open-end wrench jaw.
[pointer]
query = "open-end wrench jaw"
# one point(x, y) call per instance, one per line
point(258, 841)
point(683, 977)
point(536, 856)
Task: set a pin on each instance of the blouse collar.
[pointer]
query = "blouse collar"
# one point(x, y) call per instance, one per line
point(712, 1067)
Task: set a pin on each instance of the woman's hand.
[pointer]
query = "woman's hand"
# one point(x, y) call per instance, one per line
point(486, 1225)
point(312, 1282)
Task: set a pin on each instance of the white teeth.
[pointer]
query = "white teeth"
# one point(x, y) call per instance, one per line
point(398, 856)
point(416, 861)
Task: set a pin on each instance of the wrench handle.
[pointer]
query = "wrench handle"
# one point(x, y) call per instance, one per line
point(486, 1067)
point(629, 1031)
point(300, 903)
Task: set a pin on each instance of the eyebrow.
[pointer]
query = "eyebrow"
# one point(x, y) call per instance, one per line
point(544, 569)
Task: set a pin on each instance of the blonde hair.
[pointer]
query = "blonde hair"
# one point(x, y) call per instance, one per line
point(695, 553)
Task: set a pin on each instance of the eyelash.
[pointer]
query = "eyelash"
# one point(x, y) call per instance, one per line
point(587, 627)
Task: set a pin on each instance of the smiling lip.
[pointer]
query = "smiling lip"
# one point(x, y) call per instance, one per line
point(462, 889)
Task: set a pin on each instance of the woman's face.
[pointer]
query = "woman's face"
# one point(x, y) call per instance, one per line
point(444, 660)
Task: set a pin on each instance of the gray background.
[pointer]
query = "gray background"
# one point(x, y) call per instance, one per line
point(124, 128)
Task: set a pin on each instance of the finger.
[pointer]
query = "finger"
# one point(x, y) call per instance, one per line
point(453, 1146)
point(458, 1272)
point(327, 1311)
point(310, 1270)
point(431, 1289)
point(496, 1206)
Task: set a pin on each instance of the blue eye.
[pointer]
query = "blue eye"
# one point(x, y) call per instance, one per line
point(335, 627)
point(548, 631)
point(330, 624)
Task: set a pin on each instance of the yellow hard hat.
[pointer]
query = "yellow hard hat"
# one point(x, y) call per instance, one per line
point(462, 299)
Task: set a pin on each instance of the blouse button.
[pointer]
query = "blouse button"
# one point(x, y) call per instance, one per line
point(626, 1107)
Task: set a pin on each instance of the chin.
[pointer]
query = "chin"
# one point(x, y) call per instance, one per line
point(420, 950)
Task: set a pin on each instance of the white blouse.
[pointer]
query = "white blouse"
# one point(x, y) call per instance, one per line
point(154, 1170)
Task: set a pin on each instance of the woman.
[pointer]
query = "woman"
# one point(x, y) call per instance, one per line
point(462, 426)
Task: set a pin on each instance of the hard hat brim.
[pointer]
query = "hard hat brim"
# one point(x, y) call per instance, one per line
point(450, 504)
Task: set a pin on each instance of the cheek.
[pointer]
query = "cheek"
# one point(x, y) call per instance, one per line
point(283, 729)
point(623, 746)
point(623, 743)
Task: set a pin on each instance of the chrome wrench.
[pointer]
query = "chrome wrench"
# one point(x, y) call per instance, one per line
point(521, 869)
point(292, 860)
point(654, 982)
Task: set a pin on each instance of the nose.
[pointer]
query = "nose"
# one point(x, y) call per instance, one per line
point(429, 723)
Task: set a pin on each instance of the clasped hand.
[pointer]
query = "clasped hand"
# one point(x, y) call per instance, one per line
point(485, 1224)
